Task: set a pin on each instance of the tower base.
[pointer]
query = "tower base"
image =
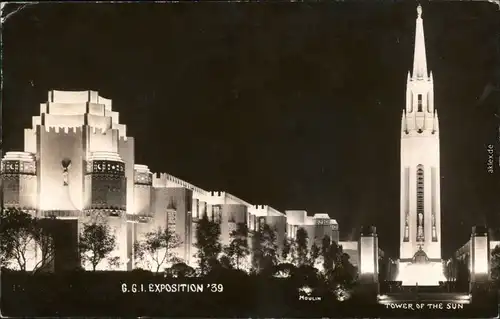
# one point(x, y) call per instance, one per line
point(421, 274)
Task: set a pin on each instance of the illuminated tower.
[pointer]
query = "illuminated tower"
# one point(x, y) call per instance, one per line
point(420, 220)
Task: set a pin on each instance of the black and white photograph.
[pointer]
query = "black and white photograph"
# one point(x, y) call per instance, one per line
point(250, 159)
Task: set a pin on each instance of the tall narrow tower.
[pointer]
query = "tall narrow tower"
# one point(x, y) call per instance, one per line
point(420, 223)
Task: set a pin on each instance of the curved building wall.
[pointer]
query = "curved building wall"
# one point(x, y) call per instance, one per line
point(107, 204)
point(107, 184)
point(18, 174)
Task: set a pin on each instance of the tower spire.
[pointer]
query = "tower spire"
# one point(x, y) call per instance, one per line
point(419, 57)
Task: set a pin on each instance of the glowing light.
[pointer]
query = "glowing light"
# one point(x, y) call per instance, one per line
point(429, 274)
point(105, 156)
point(367, 261)
point(306, 290)
point(341, 293)
point(481, 255)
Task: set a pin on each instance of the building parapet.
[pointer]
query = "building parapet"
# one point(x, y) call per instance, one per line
point(321, 216)
point(63, 129)
point(265, 210)
point(164, 178)
point(239, 200)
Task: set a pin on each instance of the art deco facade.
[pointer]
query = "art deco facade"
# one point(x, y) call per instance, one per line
point(78, 165)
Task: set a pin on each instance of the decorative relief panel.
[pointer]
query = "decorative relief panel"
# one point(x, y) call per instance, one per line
point(143, 178)
point(108, 192)
point(171, 220)
point(106, 167)
point(18, 167)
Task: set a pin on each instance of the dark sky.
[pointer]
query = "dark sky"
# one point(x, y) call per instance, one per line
point(297, 106)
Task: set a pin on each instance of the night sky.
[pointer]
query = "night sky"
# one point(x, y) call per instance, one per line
point(297, 106)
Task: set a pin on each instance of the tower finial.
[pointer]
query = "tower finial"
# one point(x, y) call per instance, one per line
point(419, 58)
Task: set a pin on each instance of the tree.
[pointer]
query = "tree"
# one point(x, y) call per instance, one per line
point(284, 270)
point(21, 237)
point(96, 243)
point(463, 273)
point(336, 264)
point(288, 252)
point(344, 273)
point(383, 269)
point(43, 232)
point(158, 248)
point(224, 262)
point(495, 263)
point(265, 249)
point(314, 254)
point(238, 248)
point(181, 270)
point(328, 252)
point(114, 262)
point(207, 244)
point(302, 249)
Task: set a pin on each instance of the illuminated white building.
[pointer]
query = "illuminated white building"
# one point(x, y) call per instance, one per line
point(420, 215)
point(78, 165)
point(317, 226)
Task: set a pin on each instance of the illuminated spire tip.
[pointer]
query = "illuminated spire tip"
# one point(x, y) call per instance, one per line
point(419, 11)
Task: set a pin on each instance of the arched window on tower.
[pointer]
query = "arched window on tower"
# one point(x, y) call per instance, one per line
point(419, 103)
point(420, 202)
